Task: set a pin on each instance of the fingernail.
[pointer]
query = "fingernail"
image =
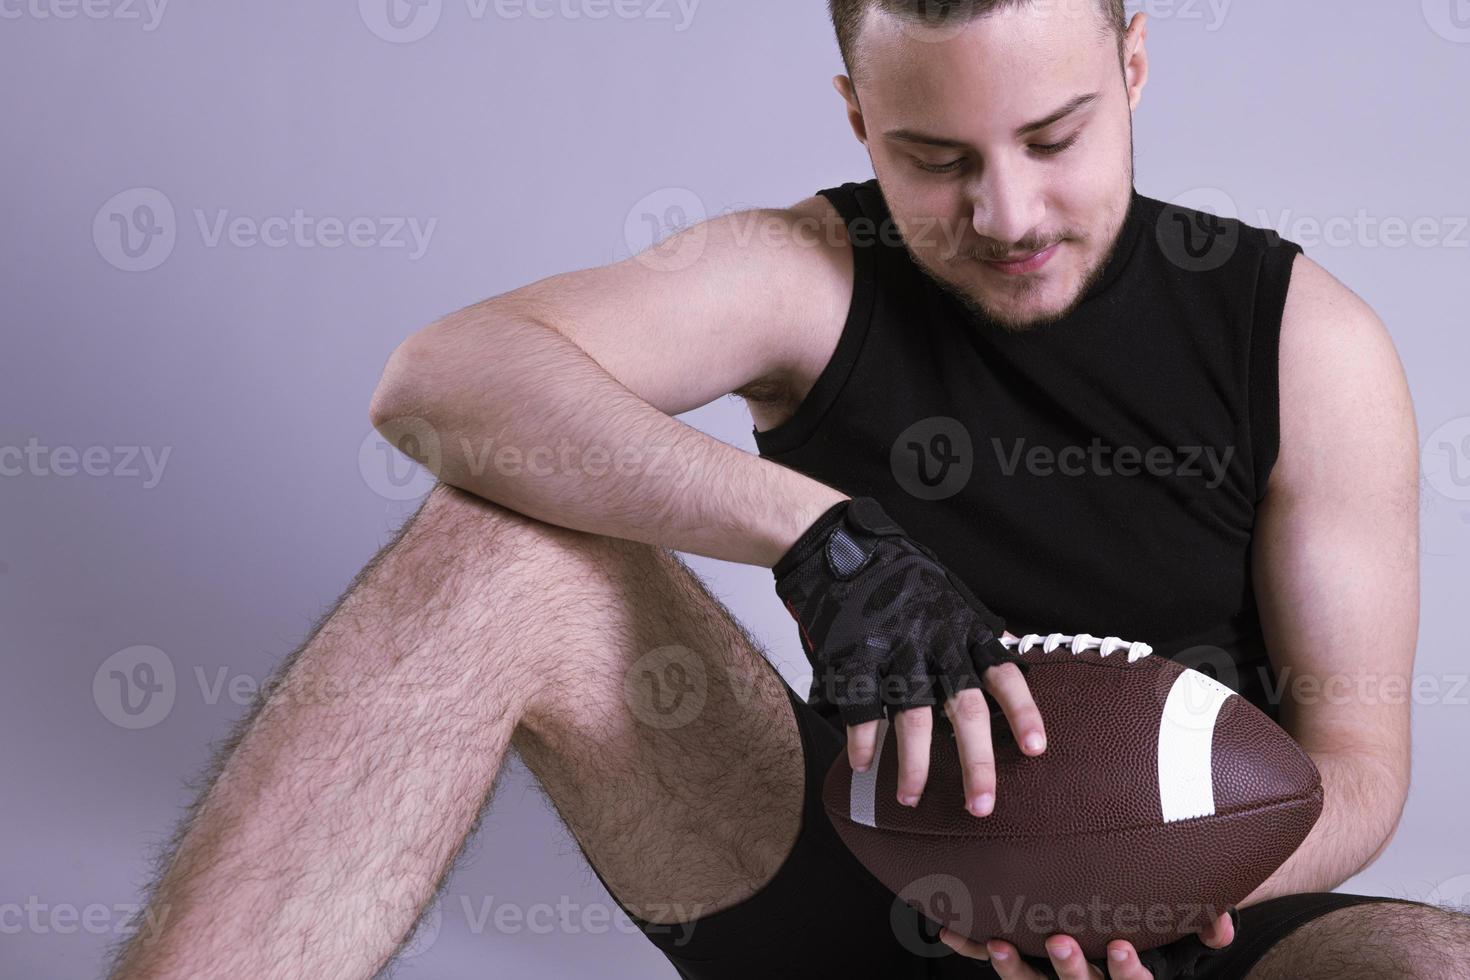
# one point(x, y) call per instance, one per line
point(1117, 955)
point(1060, 952)
point(980, 805)
point(909, 800)
point(999, 954)
point(1034, 742)
point(859, 768)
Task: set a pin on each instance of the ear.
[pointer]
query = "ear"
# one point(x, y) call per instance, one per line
point(848, 91)
point(1135, 59)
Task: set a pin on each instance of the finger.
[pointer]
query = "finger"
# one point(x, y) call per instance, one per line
point(964, 945)
point(1007, 964)
point(970, 715)
point(862, 744)
point(1067, 959)
point(1124, 964)
point(1007, 685)
point(915, 727)
point(1219, 933)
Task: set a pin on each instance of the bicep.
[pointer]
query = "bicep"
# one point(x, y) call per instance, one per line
point(1336, 541)
point(727, 304)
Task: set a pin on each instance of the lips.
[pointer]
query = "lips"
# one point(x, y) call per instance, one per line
point(1023, 263)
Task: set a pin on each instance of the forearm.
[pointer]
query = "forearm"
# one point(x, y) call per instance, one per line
point(539, 427)
point(1362, 797)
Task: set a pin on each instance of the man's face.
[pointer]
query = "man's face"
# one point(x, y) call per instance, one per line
point(971, 182)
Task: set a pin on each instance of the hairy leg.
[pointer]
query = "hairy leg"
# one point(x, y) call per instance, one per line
point(666, 741)
point(333, 813)
point(1373, 941)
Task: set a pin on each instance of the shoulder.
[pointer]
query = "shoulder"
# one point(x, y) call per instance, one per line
point(1344, 398)
point(818, 275)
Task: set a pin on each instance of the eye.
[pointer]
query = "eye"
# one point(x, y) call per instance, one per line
point(943, 168)
point(1052, 149)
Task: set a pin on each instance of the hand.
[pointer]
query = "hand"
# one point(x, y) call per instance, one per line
point(883, 621)
point(1065, 956)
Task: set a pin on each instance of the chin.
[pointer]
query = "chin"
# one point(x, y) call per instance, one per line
point(1024, 306)
point(1019, 305)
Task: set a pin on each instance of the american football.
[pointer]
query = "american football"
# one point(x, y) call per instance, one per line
point(1163, 798)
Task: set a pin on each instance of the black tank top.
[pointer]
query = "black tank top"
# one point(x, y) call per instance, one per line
point(1100, 474)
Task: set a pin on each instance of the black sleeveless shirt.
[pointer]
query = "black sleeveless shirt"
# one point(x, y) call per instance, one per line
point(1100, 474)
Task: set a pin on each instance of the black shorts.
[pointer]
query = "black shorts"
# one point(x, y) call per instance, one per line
point(824, 915)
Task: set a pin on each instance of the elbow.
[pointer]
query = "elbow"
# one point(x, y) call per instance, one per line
point(1394, 780)
point(402, 391)
point(404, 408)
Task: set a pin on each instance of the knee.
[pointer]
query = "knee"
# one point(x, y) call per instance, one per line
point(476, 536)
point(449, 510)
point(1409, 940)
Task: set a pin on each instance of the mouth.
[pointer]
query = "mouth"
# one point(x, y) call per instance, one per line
point(1022, 264)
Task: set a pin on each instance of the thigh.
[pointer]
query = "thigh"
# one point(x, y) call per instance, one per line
point(662, 736)
point(1271, 931)
point(1348, 936)
point(690, 774)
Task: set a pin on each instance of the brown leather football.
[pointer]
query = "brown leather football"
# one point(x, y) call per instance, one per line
point(1162, 798)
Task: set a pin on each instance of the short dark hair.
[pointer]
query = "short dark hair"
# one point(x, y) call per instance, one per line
point(848, 15)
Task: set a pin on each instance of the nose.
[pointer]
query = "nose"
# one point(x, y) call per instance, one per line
point(1007, 203)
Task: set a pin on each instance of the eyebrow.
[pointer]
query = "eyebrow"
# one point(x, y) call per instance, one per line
point(1073, 105)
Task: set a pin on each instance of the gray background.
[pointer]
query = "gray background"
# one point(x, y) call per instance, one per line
point(534, 144)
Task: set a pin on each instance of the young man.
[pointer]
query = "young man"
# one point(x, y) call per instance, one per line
point(1103, 414)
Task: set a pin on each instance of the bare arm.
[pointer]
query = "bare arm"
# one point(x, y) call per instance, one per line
point(1337, 573)
point(556, 400)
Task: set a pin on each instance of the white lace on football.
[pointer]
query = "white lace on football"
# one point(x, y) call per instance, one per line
point(1080, 643)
